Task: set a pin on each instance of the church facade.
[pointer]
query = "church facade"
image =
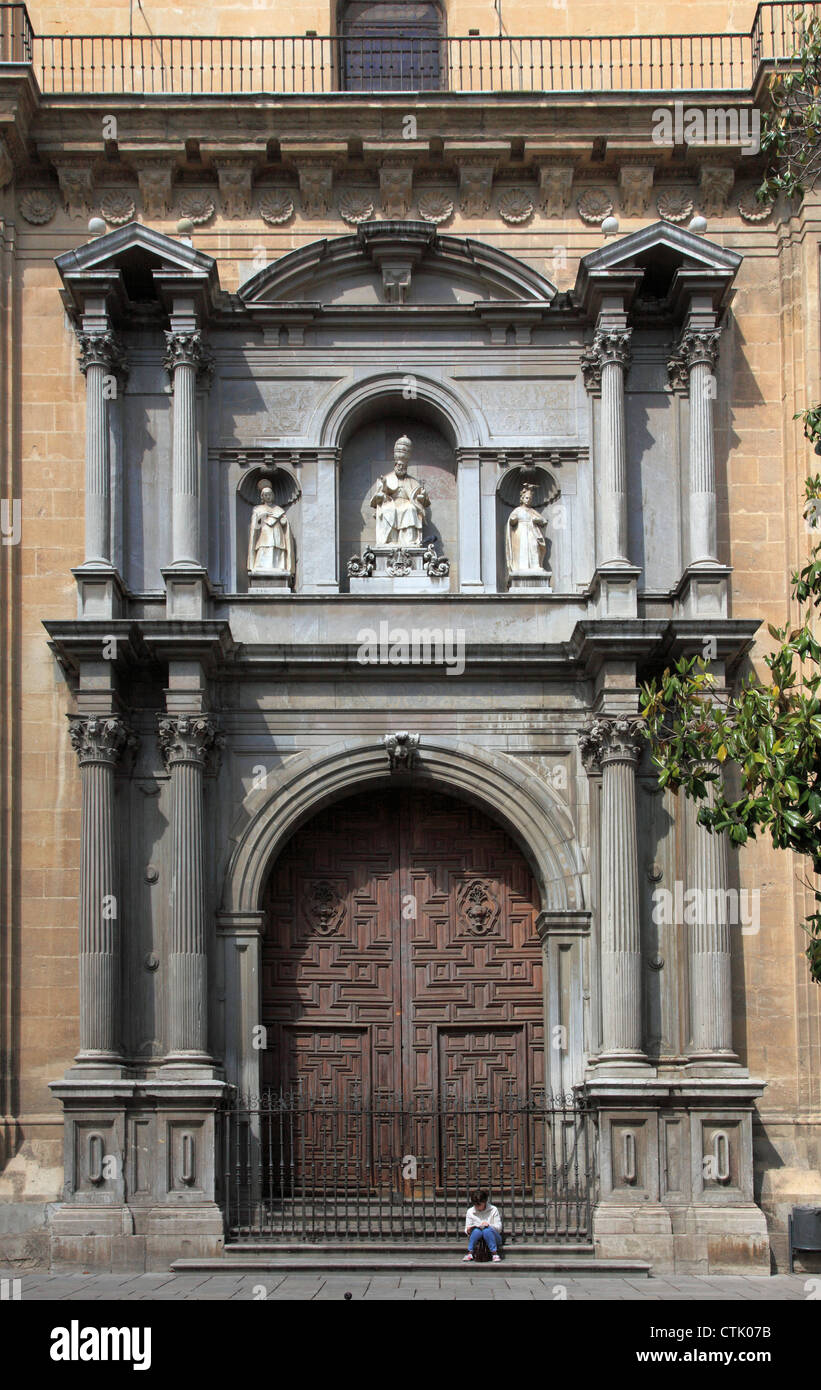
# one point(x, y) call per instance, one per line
point(366, 455)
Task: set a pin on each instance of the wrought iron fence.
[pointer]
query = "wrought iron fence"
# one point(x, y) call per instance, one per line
point(334, 64)
point(300, 1168)
point(16, 35)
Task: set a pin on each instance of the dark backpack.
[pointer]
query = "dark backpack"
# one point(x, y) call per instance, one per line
point(481, 1251)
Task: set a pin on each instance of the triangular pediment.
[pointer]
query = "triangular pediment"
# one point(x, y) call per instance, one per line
point(366, 267)
point(662, 240)
point(138, 259)
point(657, 259)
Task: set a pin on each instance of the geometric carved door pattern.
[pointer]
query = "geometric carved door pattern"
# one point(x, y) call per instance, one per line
point(400, 957)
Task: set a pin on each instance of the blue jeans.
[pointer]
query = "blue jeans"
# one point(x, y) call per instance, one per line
point(491, 1237)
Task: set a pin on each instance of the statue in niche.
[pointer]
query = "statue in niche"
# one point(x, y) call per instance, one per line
point(525, 543)
point(270, 542)
point(399, 501)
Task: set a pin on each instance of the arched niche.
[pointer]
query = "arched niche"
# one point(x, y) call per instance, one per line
point(287, 493)
point(546, 497)
point(367, 453)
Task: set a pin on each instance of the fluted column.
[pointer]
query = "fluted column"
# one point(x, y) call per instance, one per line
point(711, 1001)
point(186, 358)
point(612, 745)
point(694, 361)
point(186, 742)
point(604, 365)
point(101, 357)
point(99, 742)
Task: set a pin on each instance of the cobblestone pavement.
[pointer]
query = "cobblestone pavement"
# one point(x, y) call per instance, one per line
point(493, 1284)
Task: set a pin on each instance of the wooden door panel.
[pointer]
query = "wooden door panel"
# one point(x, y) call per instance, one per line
point(405, 919)
point(330, 956)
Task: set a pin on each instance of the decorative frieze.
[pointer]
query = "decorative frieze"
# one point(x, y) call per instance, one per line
point(198, 207)
point(396, 187)
point(316, 181)
point(38, 206)
point(594, 204)
point(555, 188)
point(716, 184)
point(118, 207)
point(155, 177)
point(76, 186)
point(635, 188)
point(235, 178)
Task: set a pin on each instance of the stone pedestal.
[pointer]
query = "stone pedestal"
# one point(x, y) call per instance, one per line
point(384, 569)
point(677, 1174)
point(261, 583)
point(529, 581)
point(142, 1182)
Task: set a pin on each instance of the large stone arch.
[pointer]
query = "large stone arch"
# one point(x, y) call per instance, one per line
point(463, 423)
point(501, 786)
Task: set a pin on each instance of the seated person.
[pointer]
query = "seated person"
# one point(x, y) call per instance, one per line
point(482, 1220)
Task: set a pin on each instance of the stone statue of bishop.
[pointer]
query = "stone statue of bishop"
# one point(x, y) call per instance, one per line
point(399, 501)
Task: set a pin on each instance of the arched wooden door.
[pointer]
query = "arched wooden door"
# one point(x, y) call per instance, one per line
point(400, 959)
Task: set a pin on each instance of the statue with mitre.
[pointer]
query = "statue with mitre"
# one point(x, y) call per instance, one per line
point(399, 501)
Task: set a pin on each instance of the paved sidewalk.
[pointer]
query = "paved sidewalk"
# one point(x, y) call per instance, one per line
point(491, 1284)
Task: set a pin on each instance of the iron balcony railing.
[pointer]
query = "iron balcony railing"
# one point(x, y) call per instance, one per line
point(316, 1169)
point(187, 65)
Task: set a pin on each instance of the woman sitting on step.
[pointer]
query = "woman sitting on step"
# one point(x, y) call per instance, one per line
point(483, 1222)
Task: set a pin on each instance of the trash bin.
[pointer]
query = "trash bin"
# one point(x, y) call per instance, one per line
point(804, 1230)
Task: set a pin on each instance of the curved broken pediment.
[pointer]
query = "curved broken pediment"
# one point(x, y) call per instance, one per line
point(399, 263)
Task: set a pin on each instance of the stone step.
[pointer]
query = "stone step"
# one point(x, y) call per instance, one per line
point(386, 1259)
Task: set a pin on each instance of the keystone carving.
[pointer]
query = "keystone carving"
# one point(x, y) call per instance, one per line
point(402, 750)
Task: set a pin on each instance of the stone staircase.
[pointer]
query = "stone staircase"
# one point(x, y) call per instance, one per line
point(384, 1257)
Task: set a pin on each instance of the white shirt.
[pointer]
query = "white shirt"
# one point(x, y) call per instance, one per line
point(489, 1215)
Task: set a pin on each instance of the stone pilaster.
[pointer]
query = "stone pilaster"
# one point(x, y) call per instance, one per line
point(711, 1033)
point(612, 745)
point(186, 743)
point(693, 361)
point(101, 356)
point(99, 742)
point(186, 358)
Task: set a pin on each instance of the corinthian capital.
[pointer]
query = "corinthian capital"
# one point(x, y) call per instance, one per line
point(696, 345)
point(188, 738)
point(102, 350)
point(609, 345)
point(611, 739)
point(187, 349)
point(100, 738)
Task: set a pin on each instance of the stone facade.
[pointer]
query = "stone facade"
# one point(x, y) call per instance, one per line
point(344, 285)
